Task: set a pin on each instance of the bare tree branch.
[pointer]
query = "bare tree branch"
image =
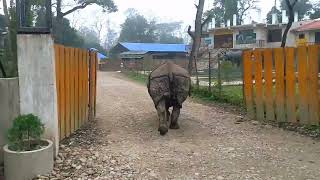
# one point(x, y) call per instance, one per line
point(294, 3)
point(246, 5)
point(191, 34)
point(206, 21)
point(196, 37)
point(82, 6)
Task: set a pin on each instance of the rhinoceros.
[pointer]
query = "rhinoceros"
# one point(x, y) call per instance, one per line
point(169, 86)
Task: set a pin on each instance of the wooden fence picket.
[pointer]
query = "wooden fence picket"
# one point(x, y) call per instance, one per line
point(72, 73)
point(295, 95)
point(268, 77)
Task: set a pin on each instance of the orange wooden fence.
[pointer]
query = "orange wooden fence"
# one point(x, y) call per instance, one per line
point(283, 85)
point(73, 92)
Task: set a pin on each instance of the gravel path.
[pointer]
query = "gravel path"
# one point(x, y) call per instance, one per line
point(123, 143)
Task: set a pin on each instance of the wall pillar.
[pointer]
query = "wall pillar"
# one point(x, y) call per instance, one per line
point(9, 108)
point(37, 81)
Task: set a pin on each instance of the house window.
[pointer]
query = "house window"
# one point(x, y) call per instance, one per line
point(208, 41)
point(301, 36)
point(246, 37)
point(317, 37)
point(274, 35)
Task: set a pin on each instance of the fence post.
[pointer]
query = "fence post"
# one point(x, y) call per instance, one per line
point(91, 114)
point(197, 76)
point(219, 76)
point(209, 71)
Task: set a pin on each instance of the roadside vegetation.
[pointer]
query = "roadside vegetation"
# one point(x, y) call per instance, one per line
point(229, 94)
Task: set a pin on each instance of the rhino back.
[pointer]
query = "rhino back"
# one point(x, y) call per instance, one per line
point(167, 69)
point(169, 81)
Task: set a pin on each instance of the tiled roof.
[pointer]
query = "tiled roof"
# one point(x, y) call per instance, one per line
point(314, 25)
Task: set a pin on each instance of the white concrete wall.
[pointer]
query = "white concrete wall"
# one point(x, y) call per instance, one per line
point(37, 78)
point(291, 39)
point(261, 34)
point(312, 37)
point(9, 108)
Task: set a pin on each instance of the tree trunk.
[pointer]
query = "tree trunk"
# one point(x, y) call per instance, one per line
point(291, 19)
point(2, 70)
point(59, 13)
point(5, 11)
point(196, 37)
point(197, 75)
point(7, 18)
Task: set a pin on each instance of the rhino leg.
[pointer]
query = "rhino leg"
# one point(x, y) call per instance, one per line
point(174, 118)
point(163, 117)
point(168, 114)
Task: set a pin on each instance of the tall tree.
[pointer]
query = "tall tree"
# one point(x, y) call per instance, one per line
point(231, 8)
point(217, 13)
point(290, 5)
point(167, 32)
point(244, 7)
point(303, 7)
point(274, 10)
point(316, 11)
point(107, 5)
point(136, 28)
point(91, 39)
point(67, 35)
point(196, 35)
point(225, 9)
point(98, 26)
point(7, 19)
point(110, 39)
point(10, 53)
point(60, 21)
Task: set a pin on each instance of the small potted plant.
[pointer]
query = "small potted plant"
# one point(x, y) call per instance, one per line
point(27, 155)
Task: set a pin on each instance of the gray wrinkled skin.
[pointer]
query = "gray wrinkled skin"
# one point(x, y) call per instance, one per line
point(169, 86)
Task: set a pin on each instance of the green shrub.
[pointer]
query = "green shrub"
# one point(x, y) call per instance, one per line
point(25, 133)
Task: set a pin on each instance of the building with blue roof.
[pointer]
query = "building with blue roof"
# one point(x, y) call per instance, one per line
point(151, 54)
point(101, 56)
point(155, 47)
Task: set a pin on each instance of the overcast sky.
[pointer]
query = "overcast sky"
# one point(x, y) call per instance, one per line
point(164, 10)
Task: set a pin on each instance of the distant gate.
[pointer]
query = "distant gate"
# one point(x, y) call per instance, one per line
point(76, 74)
point(283, 84)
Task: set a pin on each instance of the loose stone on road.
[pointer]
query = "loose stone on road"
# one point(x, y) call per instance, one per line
point(123, 143)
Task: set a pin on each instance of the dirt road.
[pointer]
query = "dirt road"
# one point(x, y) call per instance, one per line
point(208, 145)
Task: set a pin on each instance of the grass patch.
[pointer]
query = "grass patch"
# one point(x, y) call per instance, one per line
point(142, 78)
point(230, 94)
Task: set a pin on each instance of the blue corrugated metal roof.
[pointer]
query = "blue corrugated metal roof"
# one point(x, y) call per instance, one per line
point(101, 56)
point(154, 47)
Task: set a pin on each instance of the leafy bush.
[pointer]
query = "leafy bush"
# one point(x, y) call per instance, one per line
point(25, 134)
